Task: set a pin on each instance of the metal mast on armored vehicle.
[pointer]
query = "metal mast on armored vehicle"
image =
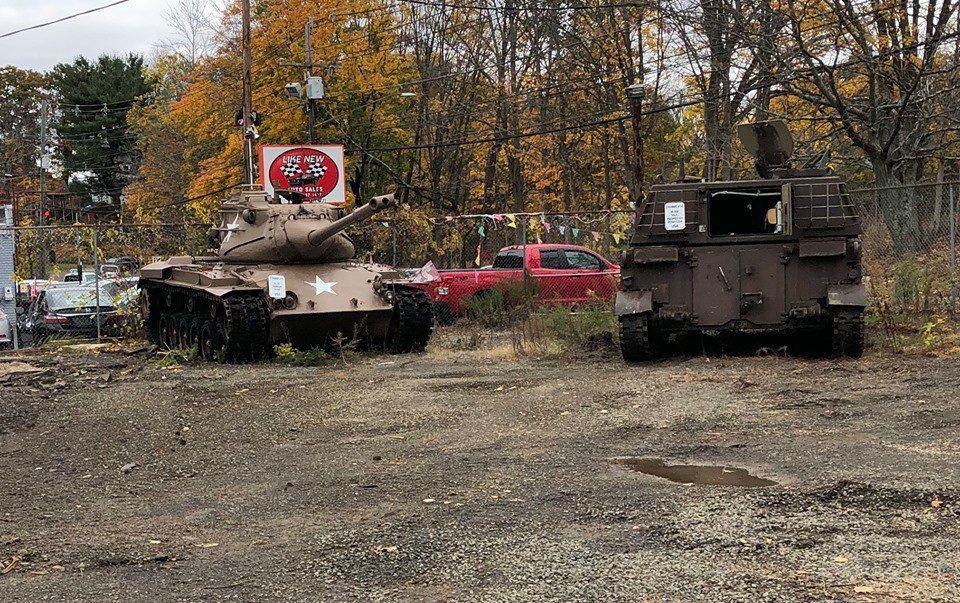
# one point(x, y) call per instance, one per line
point(775, 257)
point(284, 273)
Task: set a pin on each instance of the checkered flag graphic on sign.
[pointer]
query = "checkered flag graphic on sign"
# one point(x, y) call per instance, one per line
point(316, 170)
point(291, 169)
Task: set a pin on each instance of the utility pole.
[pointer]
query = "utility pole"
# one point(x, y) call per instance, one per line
point(248, 127)
point(635, 95)
point(314, 83)
point(44, 107)
point(44, 163)
point(311, 115)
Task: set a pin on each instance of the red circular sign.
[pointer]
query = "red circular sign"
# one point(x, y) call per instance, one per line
point(308, 171)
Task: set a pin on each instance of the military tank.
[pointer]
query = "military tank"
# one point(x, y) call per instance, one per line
point(777, 257)
point(284, 272)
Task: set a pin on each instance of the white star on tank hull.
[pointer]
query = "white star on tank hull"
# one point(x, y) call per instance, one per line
point(321, 286)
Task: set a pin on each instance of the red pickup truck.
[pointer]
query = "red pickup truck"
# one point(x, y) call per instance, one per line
point(560, 274)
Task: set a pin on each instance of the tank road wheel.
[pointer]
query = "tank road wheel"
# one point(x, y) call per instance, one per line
point(411, 323)
point(191, 335)
point(163, 331)
point(636, 341)
point(846, 336)
point(146, 313)
point(207, 339)
point(180, 338)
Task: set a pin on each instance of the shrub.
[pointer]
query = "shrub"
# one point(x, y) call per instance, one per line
point(562, 331)
point(288, 355)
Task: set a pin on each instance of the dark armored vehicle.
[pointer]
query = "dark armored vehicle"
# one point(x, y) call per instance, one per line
point(777, 257)
point(284, 273)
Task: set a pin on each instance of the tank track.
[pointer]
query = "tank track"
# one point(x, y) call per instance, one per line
point(846, 336)
point(231, 329)
point(412, 322)
point(636, 343)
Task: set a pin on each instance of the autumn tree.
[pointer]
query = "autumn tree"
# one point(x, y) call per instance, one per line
point(21, 93)
point(879, 73)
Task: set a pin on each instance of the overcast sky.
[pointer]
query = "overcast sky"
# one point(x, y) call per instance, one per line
point(132, 27)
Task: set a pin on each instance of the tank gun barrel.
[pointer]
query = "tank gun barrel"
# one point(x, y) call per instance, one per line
point(377, 204)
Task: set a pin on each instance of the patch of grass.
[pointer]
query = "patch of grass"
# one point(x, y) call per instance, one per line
point(503, 306)
point(915, 283)
point(461, 339)
point(567, 332)
point(489, 309)
point(176, 357)
point(286, 354)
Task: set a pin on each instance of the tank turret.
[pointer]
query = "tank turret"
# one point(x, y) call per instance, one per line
point(258, 228)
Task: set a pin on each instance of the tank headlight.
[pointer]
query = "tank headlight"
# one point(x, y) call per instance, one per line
point(290, 301)
point(443, 290)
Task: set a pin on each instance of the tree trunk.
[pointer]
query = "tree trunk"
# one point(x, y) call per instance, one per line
point(900, 208)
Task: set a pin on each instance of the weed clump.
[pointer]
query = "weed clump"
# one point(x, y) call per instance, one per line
point(557, 331)
point(177, 357)
point(286, 354)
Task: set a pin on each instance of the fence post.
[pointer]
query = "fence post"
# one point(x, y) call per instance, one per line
point(523, 229)
point(96, 276)
point(953, 249)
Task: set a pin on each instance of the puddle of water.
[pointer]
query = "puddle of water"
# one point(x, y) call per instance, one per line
point(706, 475)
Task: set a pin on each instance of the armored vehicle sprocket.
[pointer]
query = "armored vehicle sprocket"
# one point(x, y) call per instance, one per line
point(284, 273)
point(775, 257)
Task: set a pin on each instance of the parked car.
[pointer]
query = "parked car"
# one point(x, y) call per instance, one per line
point(71, 276)
point(6, 332)
point(70, 311)
point(126, 264)
point(559, 274)
point(110, 271)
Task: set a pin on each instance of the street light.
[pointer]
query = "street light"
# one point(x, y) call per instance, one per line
point(294, 91)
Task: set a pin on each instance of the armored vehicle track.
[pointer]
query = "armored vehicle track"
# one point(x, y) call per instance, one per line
point(233, 328)
point(411, 323)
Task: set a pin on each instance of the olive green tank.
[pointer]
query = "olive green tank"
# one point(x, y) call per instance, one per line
point(284, 273)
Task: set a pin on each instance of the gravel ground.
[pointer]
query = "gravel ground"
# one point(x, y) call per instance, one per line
point(474, 476)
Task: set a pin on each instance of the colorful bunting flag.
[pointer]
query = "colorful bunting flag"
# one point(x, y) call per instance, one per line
point(497, 218)
point(511, 220)
point(596, 235)
point(562, 229)
point(546, 226)
point(575, 231)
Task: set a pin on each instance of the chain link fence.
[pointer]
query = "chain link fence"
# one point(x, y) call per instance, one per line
point(910, 246)
point(79, 281)
point(544, 261)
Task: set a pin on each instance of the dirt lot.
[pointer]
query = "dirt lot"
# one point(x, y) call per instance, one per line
point(477, 476)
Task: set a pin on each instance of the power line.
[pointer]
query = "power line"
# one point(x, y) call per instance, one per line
point(487, 7)
point(62, 19)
